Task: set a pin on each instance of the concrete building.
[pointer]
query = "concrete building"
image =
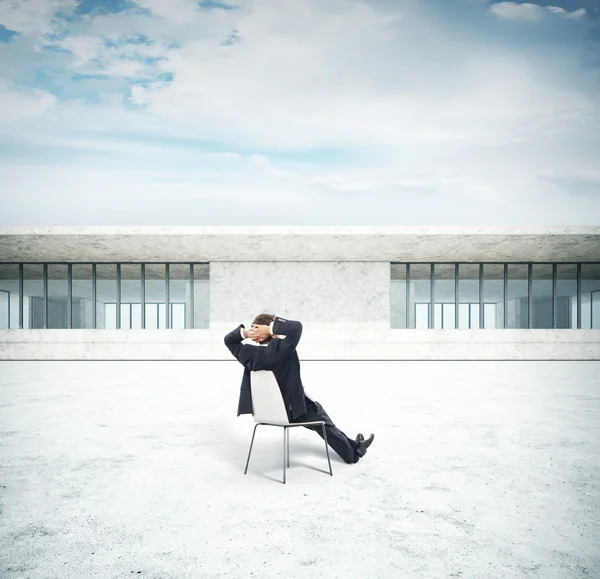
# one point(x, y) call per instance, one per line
point(363, 293)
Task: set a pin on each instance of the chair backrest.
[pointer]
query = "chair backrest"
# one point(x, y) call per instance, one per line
point(267, 401)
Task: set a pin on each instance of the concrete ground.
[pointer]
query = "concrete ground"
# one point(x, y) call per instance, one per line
point(127, 469)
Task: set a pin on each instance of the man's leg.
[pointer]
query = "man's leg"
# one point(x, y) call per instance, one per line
point(343, 446)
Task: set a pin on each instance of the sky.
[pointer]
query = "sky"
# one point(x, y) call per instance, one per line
point(299, 112)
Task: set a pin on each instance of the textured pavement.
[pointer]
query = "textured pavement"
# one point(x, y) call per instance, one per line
point(478, 470)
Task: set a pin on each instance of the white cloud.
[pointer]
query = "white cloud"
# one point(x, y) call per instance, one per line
point(445, 123)
point(577, 13)
point(301, 89)
point(84, 48)
point(531, 12)
point(174, 11)
point(32, 16)
point(17, 105)
point(516, 11)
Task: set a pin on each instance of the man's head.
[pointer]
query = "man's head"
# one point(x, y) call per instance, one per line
point(264, 320)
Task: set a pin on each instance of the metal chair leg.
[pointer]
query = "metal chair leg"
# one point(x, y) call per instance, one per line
point(288, 447)
point(251, 443)
point(327, 449)
point(284, 452)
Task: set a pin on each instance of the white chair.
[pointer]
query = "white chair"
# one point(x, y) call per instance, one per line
point(269, 409)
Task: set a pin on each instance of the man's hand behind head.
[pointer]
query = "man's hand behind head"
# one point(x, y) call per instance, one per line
point(258, 333)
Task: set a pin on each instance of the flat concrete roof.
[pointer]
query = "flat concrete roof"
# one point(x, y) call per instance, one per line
point(211, 244)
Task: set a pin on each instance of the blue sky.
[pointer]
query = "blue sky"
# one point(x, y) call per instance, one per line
point(279, 112)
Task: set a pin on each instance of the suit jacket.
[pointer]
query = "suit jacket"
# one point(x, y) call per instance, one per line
point(280, 357)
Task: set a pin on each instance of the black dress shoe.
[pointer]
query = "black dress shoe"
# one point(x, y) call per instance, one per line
point(363, 444)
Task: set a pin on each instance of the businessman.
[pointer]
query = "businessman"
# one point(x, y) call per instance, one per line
point(279, 356)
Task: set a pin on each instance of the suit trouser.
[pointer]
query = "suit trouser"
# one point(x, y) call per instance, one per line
point(336, 439)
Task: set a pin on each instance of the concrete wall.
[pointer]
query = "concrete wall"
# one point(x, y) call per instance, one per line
point(316, 344)
point(336, 295)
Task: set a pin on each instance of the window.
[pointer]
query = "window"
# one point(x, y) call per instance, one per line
point(542, 296)
point(495, 295)
point(201, 295)
point(82, 296)
point(468, 316)
point(468, 296)
point(444, 290)
point(156, 297)
point(106, 296)
point(419, 296)
point(130, 317)
point(517, 298)
point(180, 296)
point(566, 295)
point(9, 296)
point(590, 296)
point(58, 296)
point(129, 296)
point(34, 302)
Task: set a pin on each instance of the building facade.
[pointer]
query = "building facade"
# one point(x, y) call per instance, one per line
point(363, 293)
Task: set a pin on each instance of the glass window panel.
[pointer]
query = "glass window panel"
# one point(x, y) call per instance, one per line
point(152, 316)
point(136, 316)
point(131, 294)
point(4, 309)
point(9, 296)
point(493, 295)
point(178, 316)
point(201, 295)
point(541, 296)
point(180, 294)
point(474, 316)
point(398, 295)
point(590, 296)
point(437, 308)
point(444, 293)
point(517, 296)
point(490, 316)
point(125, 316)
point(448, 317)
point(422, 316)
point(464, 318)
point(156, 291)
point(82, 306)
point(106, 295)
point(110, 316)
point(566, 295)
point(162, 318)
point(468, 296)
point(58, 296)
point(420, 295)
point(34, 309)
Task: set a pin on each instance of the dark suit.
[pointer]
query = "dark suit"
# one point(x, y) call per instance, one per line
point(280, 357)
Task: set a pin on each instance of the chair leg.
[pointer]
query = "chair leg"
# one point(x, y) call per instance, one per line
point(288, 447)
point(284, 451)
point(251, 443)
point(327, 449)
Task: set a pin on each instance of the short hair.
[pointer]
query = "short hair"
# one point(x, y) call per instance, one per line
point(264, 319)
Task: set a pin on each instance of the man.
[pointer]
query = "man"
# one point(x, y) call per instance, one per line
point(279, 356)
